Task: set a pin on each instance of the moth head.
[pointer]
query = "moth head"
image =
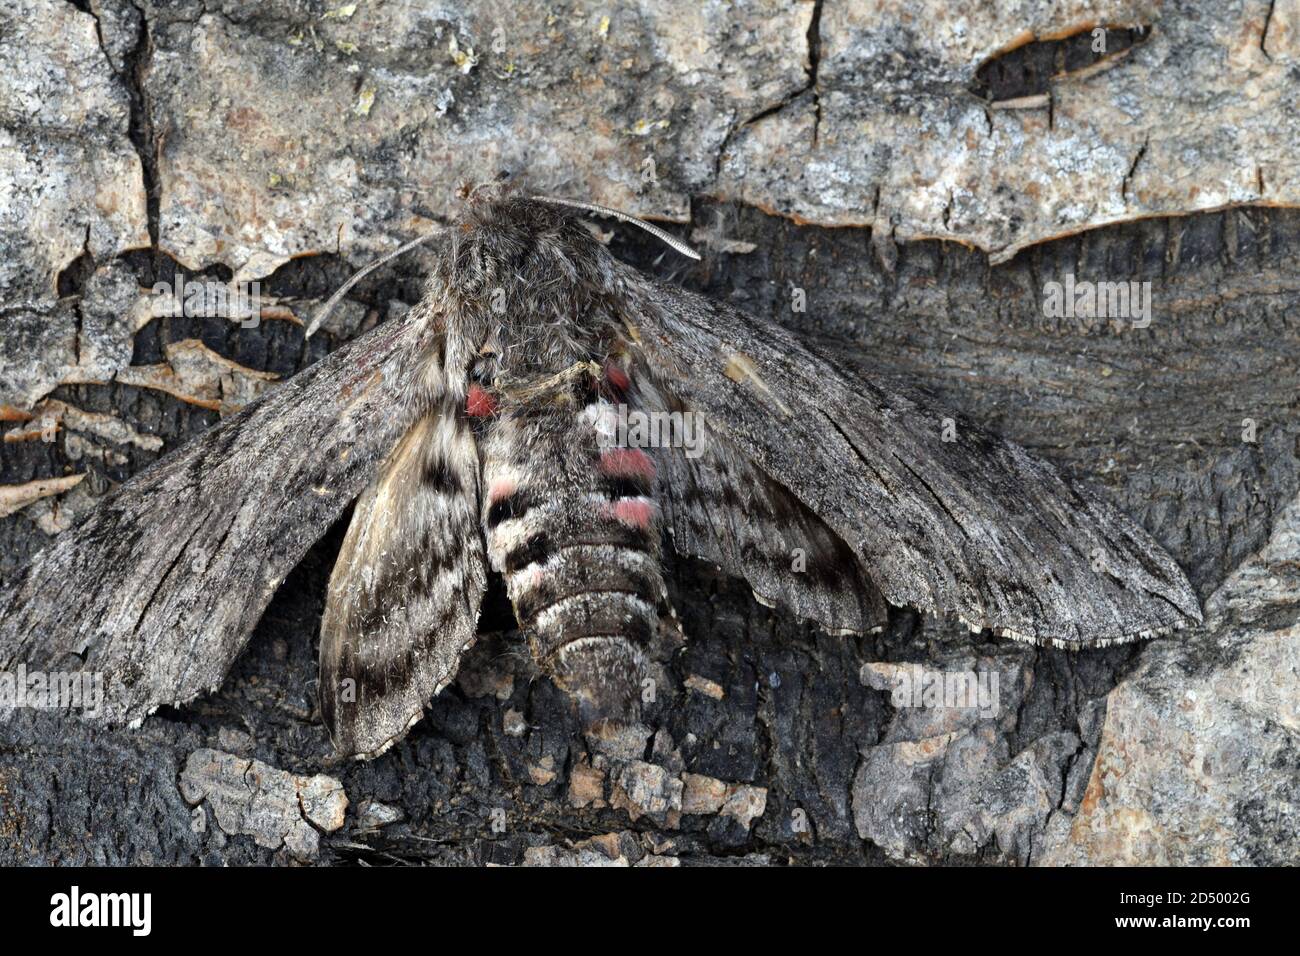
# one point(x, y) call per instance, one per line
point(523, 284)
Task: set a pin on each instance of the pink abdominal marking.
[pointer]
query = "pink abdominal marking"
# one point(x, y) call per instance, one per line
point(634, 512)
point(501, 488)
point(480, 403)
point(627, 463)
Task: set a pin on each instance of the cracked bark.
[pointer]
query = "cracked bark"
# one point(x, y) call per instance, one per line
point(1133, 168)
point(795, 717)
point(1153, 416)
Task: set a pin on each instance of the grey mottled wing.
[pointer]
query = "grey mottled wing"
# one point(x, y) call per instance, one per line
point(718, 506)
point(161, 586)
point(404, 596)
point(973, 526)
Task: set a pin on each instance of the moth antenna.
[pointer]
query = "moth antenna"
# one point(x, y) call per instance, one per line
point(324, 311)
point(660, 234)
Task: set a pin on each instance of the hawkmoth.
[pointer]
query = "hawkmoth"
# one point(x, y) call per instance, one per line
point(473, 437)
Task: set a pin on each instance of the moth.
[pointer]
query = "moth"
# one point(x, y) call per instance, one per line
point(478, 435)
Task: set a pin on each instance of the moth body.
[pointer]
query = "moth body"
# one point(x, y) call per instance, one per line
point(574, 530)
point(526, 373)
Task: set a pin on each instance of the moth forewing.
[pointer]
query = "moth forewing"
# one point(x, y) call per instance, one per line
point(720, 507)
point(978, 528)
point(161, 586)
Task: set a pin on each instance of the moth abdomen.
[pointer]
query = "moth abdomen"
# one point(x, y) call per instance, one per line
point(574, 529)
point(585, 569)
point(588, 610)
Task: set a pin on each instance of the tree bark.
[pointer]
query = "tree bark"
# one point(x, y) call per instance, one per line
point(769, 742)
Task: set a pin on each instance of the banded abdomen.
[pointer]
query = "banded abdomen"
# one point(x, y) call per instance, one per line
point(574, 529)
